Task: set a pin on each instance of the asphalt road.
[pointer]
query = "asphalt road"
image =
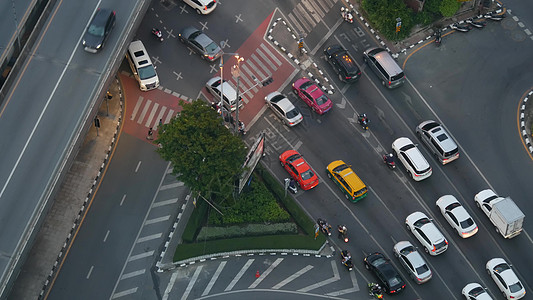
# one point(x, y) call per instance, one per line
point(472, 83)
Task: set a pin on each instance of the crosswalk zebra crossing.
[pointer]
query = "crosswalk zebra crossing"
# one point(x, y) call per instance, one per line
point(156, 113)
point(308, 13)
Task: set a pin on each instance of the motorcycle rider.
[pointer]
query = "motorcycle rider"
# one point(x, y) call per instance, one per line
point(363, 120)
point(389, 158)
point(375, 289)
point(342, 230)
point(346, 256)
point(346, 15)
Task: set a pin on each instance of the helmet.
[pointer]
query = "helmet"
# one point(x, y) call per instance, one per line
point(343, 8)
point(390, 155)
point(344, 227)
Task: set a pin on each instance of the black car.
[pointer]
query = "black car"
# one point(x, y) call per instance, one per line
point(385, 272)
point(343, 63)
point(98, 30)
point(200, 43)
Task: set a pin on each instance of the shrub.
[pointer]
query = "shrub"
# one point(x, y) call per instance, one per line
point(383, 13)
point(214, 233)
point(195, 221)
point(448, 8)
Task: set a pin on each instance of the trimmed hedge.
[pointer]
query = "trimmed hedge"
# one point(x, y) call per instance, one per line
point(185, 251)
point(215, 233)
point(195, 221)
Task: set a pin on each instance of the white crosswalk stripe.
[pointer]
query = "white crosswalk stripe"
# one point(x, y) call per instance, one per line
point(150, 113)
point(308, 13)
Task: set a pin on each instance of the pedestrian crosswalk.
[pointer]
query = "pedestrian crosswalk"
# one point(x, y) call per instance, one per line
point(156, 113)
point(308, 13)
point(302, 274)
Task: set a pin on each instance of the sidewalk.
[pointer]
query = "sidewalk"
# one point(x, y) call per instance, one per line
point(70, 203)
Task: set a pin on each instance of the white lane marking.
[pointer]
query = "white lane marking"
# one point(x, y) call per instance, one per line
point(123, 198)
point(166, 202)
point(132, 274)
point(149, 237)
point(90, 271)
point(239, 275)
point(271, 57)
point(191, 283)
point(169, 116)
point(157, 220)
point(136, 109)
point(260, 63)
point(256, 69)
point(296, 23)
point(144, 111)
point(151, 115)
point(265, 274)
point(138, 165)
point(335, 277)
point(172, 185)
point(160, 117)
point(170, 285)
point(124, 293)
point(298, 145)
point(214, 278)
point(292, 277)
point(106, 235)
point(353, 289)
point(142, 255)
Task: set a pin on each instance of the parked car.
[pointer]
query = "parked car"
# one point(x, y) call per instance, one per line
point(299, 170)
point(426, 233)
point(312, 95)
point(202, 7)
point(438, 141)
point(505, 278)
point(283, 108)
point(343, 63)
point(200, 43)
point(457, 216)
point(412, 261)
point(382, 268)
point(474, 291)
point(98, 30)
point(350, 184)
point(416, 164)
point(230, 93)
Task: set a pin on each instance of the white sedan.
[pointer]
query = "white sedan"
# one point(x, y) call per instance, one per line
point(474, 291)
point(505, 278)
point(457, 216)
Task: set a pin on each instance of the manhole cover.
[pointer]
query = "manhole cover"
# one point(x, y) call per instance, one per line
point(518, 35)
point(508, 23)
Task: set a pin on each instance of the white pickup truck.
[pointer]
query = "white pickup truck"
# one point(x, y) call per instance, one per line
point(502, 212)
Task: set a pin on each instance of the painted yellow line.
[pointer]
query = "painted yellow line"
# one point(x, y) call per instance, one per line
point(424, 45)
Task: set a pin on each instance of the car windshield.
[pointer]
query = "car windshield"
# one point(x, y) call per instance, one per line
point(477, 291)
point(307, 174)
point(96, 30)
point(146, 72)
point(422, 269)
point(467, 223)
point(421, 222)
point(501, 267)
point(306, 84)
point(407, 147)
point(276, 98)
point(340, 168)
point(292, 113)
point(407, 250)
point(378, 262)
point(452, 206)
point(212, 48)
point(293, 157)
point(394, 281)
point(515, 287)
point(321, 100)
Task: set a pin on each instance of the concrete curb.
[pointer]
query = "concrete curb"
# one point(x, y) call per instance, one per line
point(83, 209)
point(329, 90)
point(523, 129)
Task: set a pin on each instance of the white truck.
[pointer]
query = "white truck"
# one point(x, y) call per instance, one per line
point(502, 212)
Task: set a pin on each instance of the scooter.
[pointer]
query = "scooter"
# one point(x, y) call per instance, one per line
point(343, 233)
point(477, 24)
point(242, 129)
point(291, 186)
point(346, 259)
point(346, 15)
point(438, 37)
point(324, 226)
point(363, 121)
point(494, 16)
point(375, 294)
point(389, 161)
point(459, 27)
point(158, 34)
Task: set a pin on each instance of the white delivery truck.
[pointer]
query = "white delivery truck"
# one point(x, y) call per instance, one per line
point(502, 212)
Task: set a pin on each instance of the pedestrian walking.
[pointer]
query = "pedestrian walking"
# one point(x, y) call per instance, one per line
point(160, 124)
point(150, 134)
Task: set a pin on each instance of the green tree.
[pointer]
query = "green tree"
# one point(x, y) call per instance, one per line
point(448, 8)
point(204, 154)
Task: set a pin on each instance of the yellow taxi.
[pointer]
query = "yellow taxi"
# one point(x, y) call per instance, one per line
point(352, 186)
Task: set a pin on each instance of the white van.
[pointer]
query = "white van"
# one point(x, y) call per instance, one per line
point(141, 66)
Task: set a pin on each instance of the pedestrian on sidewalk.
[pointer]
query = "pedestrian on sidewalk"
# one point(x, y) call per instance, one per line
point(150, 134)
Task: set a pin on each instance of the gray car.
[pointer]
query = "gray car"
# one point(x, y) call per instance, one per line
point(412, 261)
point(438, 141)
point(283, 108)
point(200, 43)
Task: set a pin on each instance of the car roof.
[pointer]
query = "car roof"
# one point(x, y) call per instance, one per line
point(508, 275)
point(414, 257)
point(459, 211)
point(429, 229)
point(285, 104)
point(416, 157)
point(203, 40)
point(101, 15)
point(446, 142)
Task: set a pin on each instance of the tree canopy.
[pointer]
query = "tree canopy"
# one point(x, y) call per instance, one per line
point(204, 154)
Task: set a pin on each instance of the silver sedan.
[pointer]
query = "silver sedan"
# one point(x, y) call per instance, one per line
point(283, 108)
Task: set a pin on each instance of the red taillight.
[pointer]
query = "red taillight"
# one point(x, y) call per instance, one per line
point(390, 82)
point(205, 7)
point(446, 242)
point(434, 248)
point(348, 77)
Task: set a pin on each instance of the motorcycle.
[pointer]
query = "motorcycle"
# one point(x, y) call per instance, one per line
point(389, 161)
point(346, 15)
point(438, 37)
point(346, 259)
point(324, 226)
point(375, 291)
point(363, 121)
point(494, 16)
point(291, 186)
point(343, 233)
point(158, 34)
point(477, 24)
point(459, 27)
point(242, 129)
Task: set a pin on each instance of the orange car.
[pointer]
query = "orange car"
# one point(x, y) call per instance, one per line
point(298, 168)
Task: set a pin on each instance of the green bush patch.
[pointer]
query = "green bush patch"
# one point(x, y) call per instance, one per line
point(215, 233)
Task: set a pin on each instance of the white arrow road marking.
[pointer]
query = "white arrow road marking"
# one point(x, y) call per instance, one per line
point(335, 277)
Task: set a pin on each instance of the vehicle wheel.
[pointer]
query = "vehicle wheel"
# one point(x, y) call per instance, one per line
point(198, 11)
point(367, 267)
point(383, 83)
point(329, 174)
point(488, 272)
point(426, 250)
point(346, 196)
point(340, 78)
point(396, 254)
point(181, 39)
point(504, 295)
point(365, 59)
point(281, 163)
point(298, 183)
point(313, 109)
point(407, 226)
point(477, 204)
point(497, 230)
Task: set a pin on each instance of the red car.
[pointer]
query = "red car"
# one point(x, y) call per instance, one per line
point(298, 168)
point(309, 92)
